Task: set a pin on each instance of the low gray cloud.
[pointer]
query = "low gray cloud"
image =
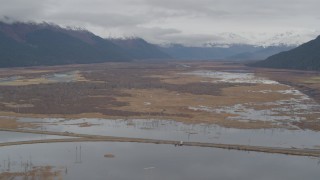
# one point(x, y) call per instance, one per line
point(108, 20)
point(22, 10)
point(155, 34)
point(184, 21)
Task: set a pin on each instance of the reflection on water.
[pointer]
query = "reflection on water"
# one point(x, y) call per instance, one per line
point(172, 130)
point(148, 161)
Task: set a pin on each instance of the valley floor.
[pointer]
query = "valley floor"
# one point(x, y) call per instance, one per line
point(226, 94)
point(91, 108)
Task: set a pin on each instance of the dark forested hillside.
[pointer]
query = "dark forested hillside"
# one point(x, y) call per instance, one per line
point(30, 44)
point(261, 52)
point(231, 52)
point(304, 57)
point(140, 49)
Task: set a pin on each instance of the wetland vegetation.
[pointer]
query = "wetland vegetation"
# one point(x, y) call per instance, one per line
point(204, 104)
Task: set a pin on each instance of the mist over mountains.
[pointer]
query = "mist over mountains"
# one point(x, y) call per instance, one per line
point(33, 44)
point(304, 57)
point(138, 48)
point(235, 52)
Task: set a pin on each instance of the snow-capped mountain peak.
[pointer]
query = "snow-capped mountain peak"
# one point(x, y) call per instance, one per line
point(289, 38)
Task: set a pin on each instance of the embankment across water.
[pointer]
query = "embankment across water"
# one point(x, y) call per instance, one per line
point(97, 138)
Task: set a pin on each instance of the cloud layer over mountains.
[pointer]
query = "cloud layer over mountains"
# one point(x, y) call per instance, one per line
point(178, 21)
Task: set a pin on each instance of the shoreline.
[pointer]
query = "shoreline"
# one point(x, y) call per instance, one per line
point(100, 138)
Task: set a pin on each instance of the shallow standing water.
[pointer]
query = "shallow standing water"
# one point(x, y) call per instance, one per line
point(282, 111)
point(172, 130)
point(148, 161)
point(15, 136)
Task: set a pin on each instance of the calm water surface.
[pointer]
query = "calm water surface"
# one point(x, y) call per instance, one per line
point(172, 130)
point(14, 136)
point(148, 161)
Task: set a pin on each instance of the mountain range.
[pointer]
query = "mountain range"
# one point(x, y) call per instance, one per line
point(235, 52)
point(304, 57)
point(138, 48)
point(31, 44)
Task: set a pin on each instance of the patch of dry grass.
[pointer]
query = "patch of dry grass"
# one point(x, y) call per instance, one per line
point(24, 81)
point(44, 172)
point(142, 90)
point(12, 123)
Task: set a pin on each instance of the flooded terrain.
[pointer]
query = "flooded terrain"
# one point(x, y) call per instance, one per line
point(144, 161)
point(71, 76)
point(15, 136)
point(172, 130)
point(297, 108)
point(208, 106)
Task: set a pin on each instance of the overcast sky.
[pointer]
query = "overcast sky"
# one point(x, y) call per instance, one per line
point(182, 21)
